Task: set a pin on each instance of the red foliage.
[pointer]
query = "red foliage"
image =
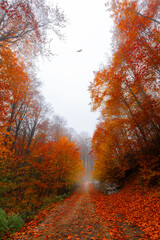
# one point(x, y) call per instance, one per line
point(139, 206)
point(127, 94)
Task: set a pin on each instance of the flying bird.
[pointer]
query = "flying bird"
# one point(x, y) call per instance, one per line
point(80, 50)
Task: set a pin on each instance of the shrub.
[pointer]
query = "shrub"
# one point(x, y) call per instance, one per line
point(15, 222)
point(3, 221)
point(10, 223)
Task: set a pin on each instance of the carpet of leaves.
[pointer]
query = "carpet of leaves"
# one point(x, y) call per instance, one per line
point(134, 207)
point(132, 213)
point(74, 218)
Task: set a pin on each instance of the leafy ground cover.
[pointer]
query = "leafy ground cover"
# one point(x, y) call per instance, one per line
point(132, 213)
point(11, 223)
point(74, 218)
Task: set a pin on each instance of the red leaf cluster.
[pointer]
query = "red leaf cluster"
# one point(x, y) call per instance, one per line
point(135, 205)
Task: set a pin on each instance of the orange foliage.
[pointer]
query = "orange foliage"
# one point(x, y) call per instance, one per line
point(137, 205)
point(127, 93)
point(33, 165)
point(58, 163)
point(30, 228)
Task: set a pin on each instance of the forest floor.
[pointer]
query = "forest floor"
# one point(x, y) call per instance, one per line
point(87, 214)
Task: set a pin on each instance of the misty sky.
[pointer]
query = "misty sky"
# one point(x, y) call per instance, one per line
point(67, 75)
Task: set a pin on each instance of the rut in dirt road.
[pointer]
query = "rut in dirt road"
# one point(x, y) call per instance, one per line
point(75, 219)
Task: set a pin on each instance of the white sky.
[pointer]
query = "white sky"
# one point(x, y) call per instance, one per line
point(67, 76)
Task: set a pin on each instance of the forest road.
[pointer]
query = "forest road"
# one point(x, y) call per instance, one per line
point(75, 218)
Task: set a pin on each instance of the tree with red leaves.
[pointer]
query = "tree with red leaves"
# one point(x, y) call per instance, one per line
point(27, 21)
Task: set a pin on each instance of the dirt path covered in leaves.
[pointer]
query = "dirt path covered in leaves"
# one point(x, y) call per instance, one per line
point(76, 218)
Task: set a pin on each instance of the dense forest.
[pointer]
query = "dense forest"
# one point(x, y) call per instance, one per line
point(42, 160)
point(127, 93)
point(38, 157)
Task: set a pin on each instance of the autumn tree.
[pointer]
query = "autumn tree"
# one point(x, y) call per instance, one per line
point(126, 91)
point(27, 22)
point(36, 158)
point(57, 165)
